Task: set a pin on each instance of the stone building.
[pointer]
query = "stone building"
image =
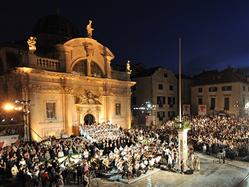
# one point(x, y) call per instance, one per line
point(186, 84)
point(159, 87)
point(67, 78)
point(226, 91)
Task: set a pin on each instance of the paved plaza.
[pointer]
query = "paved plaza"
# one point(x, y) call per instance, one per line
point(212, 174)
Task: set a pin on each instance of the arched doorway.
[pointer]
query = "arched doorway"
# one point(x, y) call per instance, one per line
point(89, 119)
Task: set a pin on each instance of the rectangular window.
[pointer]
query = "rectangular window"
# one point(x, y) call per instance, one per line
point(200, 101)
point(165, 75)
point(200, 90)
point(171, 87)
point(213, 89)
point(244, 88)
point(50, 110)
point(226, 88)
point(171, 114)
point(171, 101)
point(160, 86)
point(212, 104)
point(160, 101)
point(118, 109)
point(226, 103)
point(160, 115)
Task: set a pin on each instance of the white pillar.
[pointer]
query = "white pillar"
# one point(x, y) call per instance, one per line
point(180, 79)
point(183, 146)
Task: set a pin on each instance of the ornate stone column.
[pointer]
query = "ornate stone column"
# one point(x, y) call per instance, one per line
point(108, 69)
point(65, 57)
point(68, 113)
point(128, 113)
point(89, 73)
point(67, 61)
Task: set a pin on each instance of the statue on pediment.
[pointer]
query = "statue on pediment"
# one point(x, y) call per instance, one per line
point(32, 43)
point(89, 29)
point(128, 67)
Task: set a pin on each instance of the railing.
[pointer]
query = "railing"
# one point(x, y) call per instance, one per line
point(36, 133)
point(47, 63)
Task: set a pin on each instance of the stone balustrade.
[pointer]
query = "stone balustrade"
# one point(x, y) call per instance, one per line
point(47, 63)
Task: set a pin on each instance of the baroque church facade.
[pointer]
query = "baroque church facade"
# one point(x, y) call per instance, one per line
point(68, 79)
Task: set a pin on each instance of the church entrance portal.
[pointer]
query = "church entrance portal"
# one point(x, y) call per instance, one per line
point(89, 119)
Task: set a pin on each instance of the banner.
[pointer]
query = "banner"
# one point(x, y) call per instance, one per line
point(186, 110)
point(202, 110)
point(8, 140)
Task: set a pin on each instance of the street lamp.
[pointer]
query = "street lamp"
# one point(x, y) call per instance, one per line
point(26, 118)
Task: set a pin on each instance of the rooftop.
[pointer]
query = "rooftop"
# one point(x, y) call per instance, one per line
point(227, 75)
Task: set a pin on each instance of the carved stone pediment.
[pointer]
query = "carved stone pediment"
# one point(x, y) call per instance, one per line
point(87, 98)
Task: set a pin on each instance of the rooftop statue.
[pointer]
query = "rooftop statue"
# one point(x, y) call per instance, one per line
point(89, 29)
point(31, 42)
point(128, 67)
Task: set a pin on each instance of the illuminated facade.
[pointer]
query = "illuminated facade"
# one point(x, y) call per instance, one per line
point(68, 80)
point(227, 91)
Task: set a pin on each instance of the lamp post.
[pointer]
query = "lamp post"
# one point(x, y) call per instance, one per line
point(182, 126)
point(26, 118)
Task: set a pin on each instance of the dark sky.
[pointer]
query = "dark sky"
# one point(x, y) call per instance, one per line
point(215, 33)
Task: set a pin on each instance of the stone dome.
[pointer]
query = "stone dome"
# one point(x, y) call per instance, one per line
point(56, 25)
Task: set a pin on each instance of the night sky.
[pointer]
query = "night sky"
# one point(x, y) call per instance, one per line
point(215, 33)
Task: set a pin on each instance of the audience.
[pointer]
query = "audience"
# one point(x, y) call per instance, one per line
point(105, 150)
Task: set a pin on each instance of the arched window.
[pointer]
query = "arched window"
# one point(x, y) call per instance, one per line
point(95, 70)
point(80, 67)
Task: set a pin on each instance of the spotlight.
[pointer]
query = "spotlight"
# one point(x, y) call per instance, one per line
point(8, 107)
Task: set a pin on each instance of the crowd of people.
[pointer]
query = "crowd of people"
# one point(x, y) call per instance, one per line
point(105, 131)
point(213, 134)
point(11, 130)
point(74, 159)
point(216, 134)
point(106, 150)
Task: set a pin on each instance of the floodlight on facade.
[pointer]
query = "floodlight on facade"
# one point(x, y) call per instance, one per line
point(8, 107)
